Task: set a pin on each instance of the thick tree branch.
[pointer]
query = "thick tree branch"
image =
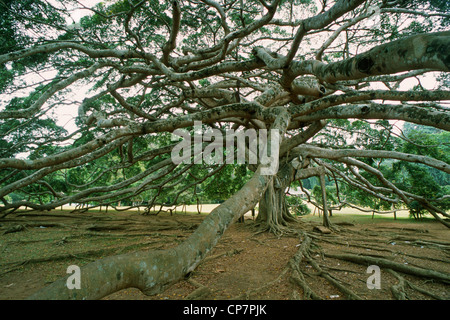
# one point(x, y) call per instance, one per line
point(336, 154)
point(409, 113)
point(430, 51)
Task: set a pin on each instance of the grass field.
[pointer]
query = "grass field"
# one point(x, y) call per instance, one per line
point(39, 253)
point(347, 214)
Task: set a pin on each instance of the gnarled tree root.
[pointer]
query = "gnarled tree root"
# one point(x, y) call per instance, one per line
point(399, 290)
point(202, 291)
point(384, 263)
point(297, 276)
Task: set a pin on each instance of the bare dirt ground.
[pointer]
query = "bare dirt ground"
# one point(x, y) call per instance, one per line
point(37, 248)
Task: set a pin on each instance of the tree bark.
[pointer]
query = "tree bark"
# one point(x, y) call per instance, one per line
point(411, 53)
point(273, 209)
point(153, 271)
point(326, 220)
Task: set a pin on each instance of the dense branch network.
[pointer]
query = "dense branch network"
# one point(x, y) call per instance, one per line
point(153, 68)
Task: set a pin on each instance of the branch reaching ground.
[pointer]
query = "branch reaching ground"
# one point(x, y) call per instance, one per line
point(152, 106)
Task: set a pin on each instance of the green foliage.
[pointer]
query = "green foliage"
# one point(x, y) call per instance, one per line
point(419, 179)
point(6, 77)
point(27, 23)
point(20, 24)
point(441, 6)
point(225, 183)
point(297, 206)
point(27, 135)
point(18, 17)
point(317, 195)
point(344, 133)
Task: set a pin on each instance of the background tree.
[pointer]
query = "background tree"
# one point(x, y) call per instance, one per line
point(326, 75)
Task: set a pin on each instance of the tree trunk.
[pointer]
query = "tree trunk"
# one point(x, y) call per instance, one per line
point(326, 220)
point(273, 209)
point(153, 271)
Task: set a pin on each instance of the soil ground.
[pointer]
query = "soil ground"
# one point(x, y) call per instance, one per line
point(37, 248)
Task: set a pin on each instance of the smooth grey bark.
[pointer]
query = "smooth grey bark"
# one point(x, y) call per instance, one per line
point(326, 220)
point(431, 51)
point(273, 209)
point(409, 113)
point(313, 151)
point(153, 271)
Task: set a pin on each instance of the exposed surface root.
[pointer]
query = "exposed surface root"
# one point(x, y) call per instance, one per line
point(202, 291)
point(311, 256)
point(399, 290)
point(385, 263)
point(295, 262)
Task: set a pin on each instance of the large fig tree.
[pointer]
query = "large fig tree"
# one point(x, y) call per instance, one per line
point(330, 82)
